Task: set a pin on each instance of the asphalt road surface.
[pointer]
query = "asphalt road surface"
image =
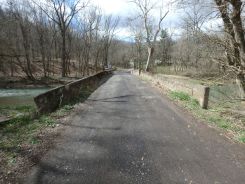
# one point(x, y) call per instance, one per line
point(130, 134)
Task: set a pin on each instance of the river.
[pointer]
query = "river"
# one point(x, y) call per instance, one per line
point(10, 97)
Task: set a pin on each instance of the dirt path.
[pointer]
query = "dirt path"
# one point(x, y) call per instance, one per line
point(130, 134)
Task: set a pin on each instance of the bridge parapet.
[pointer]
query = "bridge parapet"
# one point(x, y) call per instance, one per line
point(60, 96)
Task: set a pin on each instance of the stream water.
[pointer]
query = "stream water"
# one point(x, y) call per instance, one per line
point(10, 97)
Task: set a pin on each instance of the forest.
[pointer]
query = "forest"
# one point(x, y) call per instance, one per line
point(51, 39)
point(56, 38)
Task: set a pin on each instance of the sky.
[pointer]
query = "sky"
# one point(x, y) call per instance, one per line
point(119, 8)
point(125, 9)
point(116, 7)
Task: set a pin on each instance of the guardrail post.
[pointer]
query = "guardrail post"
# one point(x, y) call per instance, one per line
point(205, 98)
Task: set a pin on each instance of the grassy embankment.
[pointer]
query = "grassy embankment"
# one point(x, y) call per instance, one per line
point(224, 107)
point(217, 116)
point(24, 128)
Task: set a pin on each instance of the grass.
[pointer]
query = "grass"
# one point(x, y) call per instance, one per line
point(178, 95)
point(169, 70)
point(241, 137)
point(12, 111)
point(213, 115)
point(221, 109)
point(191, 72)
point(62, 112)
point(23, 129)
point(165, 70)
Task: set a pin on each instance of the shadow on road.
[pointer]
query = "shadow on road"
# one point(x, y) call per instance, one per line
point(90, 127)
point(115, 159)
point(109, 99)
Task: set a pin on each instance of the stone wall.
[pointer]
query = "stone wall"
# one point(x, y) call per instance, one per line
point(57, 97)
point(184, 84)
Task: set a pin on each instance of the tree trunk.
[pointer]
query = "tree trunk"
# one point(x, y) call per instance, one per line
point(43, 59)
point(12, 67)
point(96, 61)
point(241, 84)
point(148, 63)
point(106, 56)
point(233, 26)
point(27, 49)
point(140, 66)
point(44, 67)
point(63, 59)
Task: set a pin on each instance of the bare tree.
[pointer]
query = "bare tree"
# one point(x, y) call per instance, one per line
point(97, 44)
point(108, 33)
point(90, 47)
point(92, 20)
point(152, 27)
point(62, 13)
point(20, 15)
point(137, 31)
point(42, 31)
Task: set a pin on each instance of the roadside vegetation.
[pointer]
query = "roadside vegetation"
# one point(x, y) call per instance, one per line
point(16, 110)
point(28, 134)
point(217, 116)
point(223, 113)
point(23, 128)
point(21, 137)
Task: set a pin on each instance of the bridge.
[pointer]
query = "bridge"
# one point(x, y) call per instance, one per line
point(128, 133)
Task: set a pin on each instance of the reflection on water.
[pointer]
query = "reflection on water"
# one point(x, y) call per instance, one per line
point(21, 92)
point(19, 96)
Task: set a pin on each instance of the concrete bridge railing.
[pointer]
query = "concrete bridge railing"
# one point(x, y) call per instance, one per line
point(184, 84)
point(57, 97)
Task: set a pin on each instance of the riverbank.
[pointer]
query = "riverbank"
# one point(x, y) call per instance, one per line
point(24, 139)
point(22, 83)
point(17, 93)
point(17, 102)
point(29, 135)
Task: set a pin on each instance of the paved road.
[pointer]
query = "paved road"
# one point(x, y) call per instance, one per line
point(130, 134)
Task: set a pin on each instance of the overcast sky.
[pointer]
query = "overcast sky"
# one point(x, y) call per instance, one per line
point(125, 9)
